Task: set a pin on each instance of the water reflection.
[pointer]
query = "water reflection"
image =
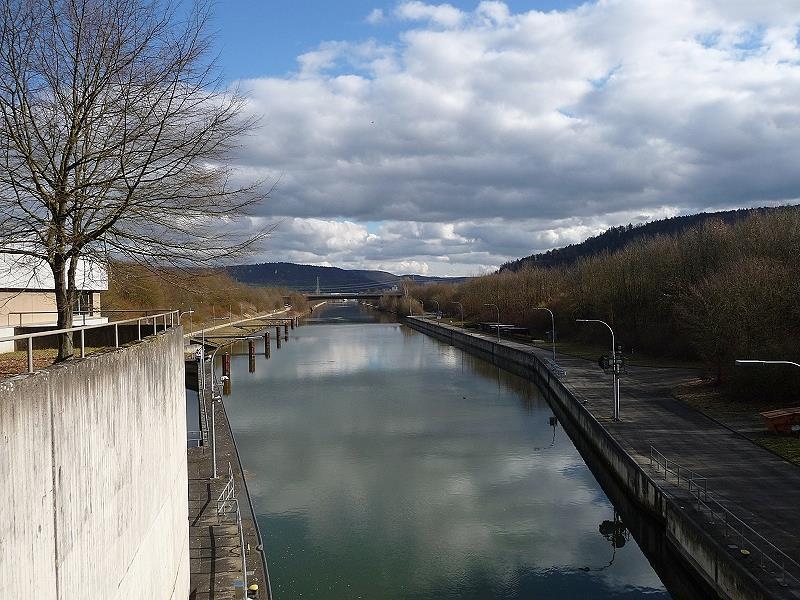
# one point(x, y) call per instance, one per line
point(385, 464)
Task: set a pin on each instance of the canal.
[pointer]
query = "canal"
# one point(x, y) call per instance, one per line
point(384, 464)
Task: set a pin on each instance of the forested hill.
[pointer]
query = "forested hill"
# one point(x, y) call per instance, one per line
point(304, 277)
point(616, 238)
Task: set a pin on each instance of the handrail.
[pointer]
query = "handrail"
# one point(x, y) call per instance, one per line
point(172, 315)
point(783, 564)
point(225, 498)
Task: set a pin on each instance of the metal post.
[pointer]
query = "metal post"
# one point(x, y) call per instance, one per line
point(552, 328)
point(615, 366)
point(30, 355)
point(116, 335)
point(83, 343)
point(213, 423)
point(461, 306)
point(498, 320)
point(139, 325)
point(244, 555)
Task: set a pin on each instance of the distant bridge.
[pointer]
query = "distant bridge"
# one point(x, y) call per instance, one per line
point(350, 295)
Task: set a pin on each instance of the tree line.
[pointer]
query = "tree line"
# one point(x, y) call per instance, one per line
point(209, 293)
point(715, 292)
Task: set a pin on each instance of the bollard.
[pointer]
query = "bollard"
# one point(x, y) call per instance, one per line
point(226, 387)
point(278, 336)
point(266, 344)
point(286, 331)
point(292, 322)
point(226, 365)
point(251, 351)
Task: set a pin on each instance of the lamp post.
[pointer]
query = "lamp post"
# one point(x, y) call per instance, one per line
point(614, 364)
point(213, 413)
point(498, 319)
point(461, 306)
point(189, 312)
point(766, 362)
point(216, 397)
point(552, 328)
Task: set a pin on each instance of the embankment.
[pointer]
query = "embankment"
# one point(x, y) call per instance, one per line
point(93, 465)
point(701, 554)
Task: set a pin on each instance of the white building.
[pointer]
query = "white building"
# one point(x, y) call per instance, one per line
point(27, 294)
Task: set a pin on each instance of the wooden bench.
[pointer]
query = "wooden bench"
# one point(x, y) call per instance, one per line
point(783, 420)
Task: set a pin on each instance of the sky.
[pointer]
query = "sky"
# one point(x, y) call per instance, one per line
point(447, 139)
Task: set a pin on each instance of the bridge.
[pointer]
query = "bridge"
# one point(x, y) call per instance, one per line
point(351, 295)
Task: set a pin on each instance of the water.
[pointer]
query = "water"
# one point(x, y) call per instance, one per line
point(386, 465)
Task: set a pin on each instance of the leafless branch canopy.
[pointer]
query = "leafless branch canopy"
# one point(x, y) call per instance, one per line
point(114, 131)
point(114, 134)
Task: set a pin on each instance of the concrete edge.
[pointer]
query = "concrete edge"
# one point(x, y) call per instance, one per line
point(702, 554)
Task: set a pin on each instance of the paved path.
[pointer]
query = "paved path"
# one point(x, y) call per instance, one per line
point(215, 552)
point(757, 486)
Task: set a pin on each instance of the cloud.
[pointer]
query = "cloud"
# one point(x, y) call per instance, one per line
point(513, 133)
point(445, 15)
point(375, 16)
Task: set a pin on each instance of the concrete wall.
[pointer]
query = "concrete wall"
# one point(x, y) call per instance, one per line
point(699, 551)
point(93, 471)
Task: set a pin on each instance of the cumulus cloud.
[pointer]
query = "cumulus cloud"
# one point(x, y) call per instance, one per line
point(481, 136)
point(375, 16)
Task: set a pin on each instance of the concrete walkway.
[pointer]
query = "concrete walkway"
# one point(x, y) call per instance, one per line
point(760, 488)
point(215, 551)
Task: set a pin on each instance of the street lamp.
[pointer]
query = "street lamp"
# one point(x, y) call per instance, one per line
point(498, 319)
point(215, 397)
point(461, 306)
point(552, 328)
point(615, 365)
point(189, 312)
point(766, 362)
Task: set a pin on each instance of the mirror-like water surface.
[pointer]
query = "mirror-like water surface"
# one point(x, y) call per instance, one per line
point(384, 464)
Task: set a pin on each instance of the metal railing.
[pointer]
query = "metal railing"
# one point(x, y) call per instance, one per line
point(696, 483)
point(557, 369)
point(89, 313)
point(228, 504)
point(194, 439)
point(168, 319)
point(770, 558)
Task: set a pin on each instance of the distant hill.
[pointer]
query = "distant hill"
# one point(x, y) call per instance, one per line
point(303, 278)
point(617, 238)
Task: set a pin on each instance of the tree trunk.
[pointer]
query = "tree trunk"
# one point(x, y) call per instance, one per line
point(64, 308)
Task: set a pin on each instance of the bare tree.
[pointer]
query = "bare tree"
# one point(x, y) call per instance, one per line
point(115, 128)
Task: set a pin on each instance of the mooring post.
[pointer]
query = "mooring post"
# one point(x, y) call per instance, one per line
point(226, 365)
point(292, 322)
point(286, 332)
point(266, 344)
point(278, 335)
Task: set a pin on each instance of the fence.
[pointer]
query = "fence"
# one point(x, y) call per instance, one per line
point(770, 558)
point(228, 505)
point(168, 319)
